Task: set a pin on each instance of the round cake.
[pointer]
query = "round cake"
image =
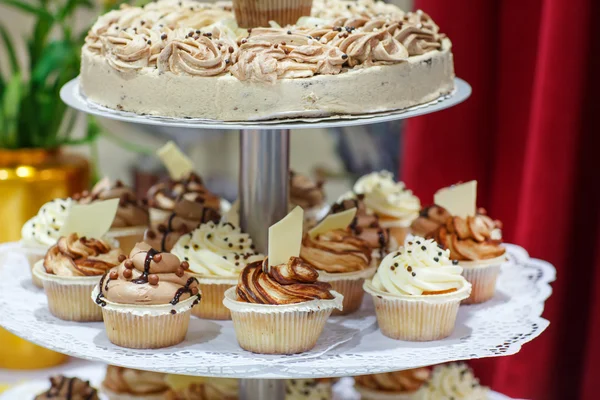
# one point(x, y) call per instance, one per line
point(186, 59)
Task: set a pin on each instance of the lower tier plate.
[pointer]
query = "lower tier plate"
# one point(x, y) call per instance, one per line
point(350, 345)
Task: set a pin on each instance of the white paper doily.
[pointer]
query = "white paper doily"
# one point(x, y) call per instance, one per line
point(350, 345)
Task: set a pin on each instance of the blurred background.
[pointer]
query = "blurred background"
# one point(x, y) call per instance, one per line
point(529, 135)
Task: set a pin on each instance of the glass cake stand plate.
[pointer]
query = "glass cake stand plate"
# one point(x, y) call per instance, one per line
point(350, 345)
point(72, 95)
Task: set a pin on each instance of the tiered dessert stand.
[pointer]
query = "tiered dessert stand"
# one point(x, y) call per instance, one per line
point(350, 345)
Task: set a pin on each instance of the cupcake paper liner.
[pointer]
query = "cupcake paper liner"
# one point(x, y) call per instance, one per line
point(482, 275)
point(130, 396)
point(254, 13)
point(370, 394)
point(69, 297)
point(279, 329)
point(127, 237)
point(146, 327)
point(417, 318)
point(33, 253)
point(213, 293)
point(349, 285)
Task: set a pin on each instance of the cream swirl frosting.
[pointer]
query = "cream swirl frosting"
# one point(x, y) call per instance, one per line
point(217, 250)
point(453, 381)
point(388, 198)
point(420, 267)
point(44, 228)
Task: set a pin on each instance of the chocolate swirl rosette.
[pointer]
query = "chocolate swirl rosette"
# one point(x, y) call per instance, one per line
point(63, 388)
point(282, 309)
point(69, 272)
point(147, 300)
point(131, 219)
point(417, 291)
point(398, 385)
point(131, 384)
point(309, 195)
point(216, 253)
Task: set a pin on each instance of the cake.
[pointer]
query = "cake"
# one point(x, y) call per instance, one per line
point(186, 59)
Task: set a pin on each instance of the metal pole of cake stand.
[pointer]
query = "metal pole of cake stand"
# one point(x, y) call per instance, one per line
point(263, 194)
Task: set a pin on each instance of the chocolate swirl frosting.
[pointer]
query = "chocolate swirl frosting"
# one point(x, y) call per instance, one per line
point(135, 382)
point(409, 380)
point(130, 212)
point(75, 256)
point(165, 195)
point(304, 192)
point(63, 388)
point(148, 277)
point(365, 225)
point(430, 218)
point(186, 217)
point(290, 283)
point(335, 252)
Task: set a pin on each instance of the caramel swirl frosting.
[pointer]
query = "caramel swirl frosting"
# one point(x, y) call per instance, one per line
point(290, 283)
point(409, 380)
point(165, 195)
point(148, 277)
point(336, 251)
point(304, 192)
point(63, 388)
point(135, 382)
point(75, 256)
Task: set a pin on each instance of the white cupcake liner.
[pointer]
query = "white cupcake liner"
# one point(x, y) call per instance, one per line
point(213, 292)
point(69, 296)
point(127, 237)
point(349, 285)
point(145, 326)
point(370, 394)
point(482, 275)
point(129, 396)
point(279, 329)
point(33, 253)
point(417, 318)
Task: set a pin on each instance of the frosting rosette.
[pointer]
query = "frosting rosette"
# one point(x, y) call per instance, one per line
point(420, 267)
point(119, 380)
point(293, 282)
point(217, 249)
point(453, 381)
point(398, 382)
point(336, 251)
point(430, 218)
point(165, 195)
point(80, 256)
point(63, 388)
point(305, 192)
point(43, 229)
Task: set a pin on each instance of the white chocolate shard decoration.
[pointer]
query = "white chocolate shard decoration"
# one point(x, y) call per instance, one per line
point(233, 214)
point(333, 222)
point(178, 164)
point(90, 220)
point(459, 200)
point(285, 237)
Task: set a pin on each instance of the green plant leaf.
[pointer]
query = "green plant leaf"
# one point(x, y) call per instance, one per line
point(10, 50)
point(41, 12)
point(54, 58)
point(11, 103)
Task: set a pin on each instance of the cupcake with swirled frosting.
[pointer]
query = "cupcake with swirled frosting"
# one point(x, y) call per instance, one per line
point(417, 291)
point(398, 385)
point(396, 206)
point(475, 241)
point(131, 384)
point(42, 231)
point(343, 260)
point(310, 196)
point(146, 300)
point(282, 309)
point(216, 253)
point(183, 387)
point(131, 218)
point(453, 381)
point(69, 272)
point(63, 388)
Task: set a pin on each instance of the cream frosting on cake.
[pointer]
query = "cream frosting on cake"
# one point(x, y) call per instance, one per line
point(188, 59)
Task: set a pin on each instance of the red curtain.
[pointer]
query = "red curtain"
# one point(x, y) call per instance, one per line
point(529, 135)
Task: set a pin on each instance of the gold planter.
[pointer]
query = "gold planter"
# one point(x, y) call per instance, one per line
point(28, 179)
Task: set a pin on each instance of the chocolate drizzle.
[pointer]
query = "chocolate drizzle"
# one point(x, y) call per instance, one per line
point(149, 258)
point(99, 300)
point(185, 289)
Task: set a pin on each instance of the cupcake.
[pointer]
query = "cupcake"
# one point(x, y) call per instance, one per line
point(42, 231)
point(366, 227)
point(282, 309)
point(310, 196)
point(70, 271)
point(343, 260)
point(201, 388)
point(216, 253)
point(147, 300)
point(476, 242)
point(131, 219)
point(396, 206)
point(187, 215)
point(399, 385)
point(63, 388)
point(417, 291)
point(308, 389)
point(255, 13)
point(132, 384)
point(163, 196)
point(453, 381)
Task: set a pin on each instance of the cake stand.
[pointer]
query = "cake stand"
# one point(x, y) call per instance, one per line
point(350, 345)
